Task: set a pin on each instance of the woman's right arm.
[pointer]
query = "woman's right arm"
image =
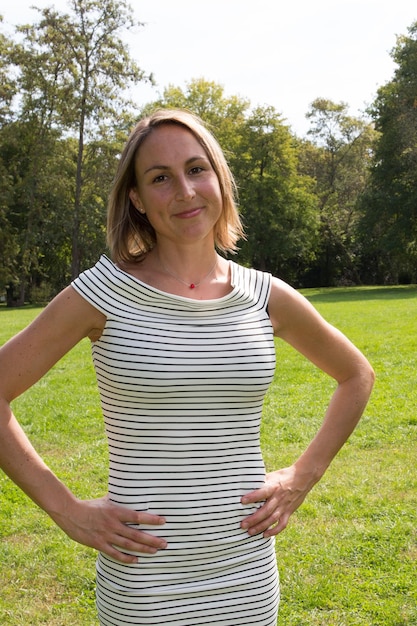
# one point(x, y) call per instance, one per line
point(23, 361)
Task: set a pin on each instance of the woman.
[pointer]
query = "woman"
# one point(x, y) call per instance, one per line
point(183, 347)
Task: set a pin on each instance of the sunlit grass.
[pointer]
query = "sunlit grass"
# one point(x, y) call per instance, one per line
point(349, 555)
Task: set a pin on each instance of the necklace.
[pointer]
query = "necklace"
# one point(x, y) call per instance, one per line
point(190, 285)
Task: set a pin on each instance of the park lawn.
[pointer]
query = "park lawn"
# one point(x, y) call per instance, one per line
point(349, 554)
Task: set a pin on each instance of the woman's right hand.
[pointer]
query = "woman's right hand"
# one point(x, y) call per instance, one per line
point(24, 359)
point(105, 526)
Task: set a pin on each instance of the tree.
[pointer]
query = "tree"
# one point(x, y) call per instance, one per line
point(83, 58)
point(28, 152)
point(338, 158)
point(7, 82)
point(225, 115)
point(279, 208)
point(7, 233)
point(390, 204)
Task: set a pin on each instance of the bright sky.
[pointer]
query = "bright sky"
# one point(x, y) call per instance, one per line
point(271, 52)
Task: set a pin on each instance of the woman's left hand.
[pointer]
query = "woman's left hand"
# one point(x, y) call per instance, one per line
point(282, 493)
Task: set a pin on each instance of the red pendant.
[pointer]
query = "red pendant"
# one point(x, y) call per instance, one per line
point(192, 286)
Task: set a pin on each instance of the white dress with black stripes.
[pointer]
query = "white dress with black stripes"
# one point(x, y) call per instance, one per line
point(182, 383)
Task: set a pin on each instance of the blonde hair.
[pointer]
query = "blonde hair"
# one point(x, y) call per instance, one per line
point(129, 233)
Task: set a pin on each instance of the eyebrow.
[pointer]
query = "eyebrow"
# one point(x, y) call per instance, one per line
point(166, 167)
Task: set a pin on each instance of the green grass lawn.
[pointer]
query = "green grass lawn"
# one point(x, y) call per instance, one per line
point(349, 555)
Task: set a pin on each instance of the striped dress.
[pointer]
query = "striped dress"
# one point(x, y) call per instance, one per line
point(182, 383)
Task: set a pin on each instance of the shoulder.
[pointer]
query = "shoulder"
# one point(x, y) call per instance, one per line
point(27, 356)
point(102, 285)
point(249, 275)
point(297, 322)
point(255, 284)
point(98, 273)
point(72, 315)
point(288, 308)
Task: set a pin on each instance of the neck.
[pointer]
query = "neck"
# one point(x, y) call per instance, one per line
point(190, 271)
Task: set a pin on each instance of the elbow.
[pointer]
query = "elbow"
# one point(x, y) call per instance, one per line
point(371, 374)
point(361, 378)
point(367, 375)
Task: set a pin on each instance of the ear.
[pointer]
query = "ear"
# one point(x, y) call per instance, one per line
point(134, 198)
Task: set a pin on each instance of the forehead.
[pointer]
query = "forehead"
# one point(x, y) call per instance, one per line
point(169, 142)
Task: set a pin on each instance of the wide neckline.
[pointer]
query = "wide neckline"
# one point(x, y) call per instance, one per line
point(168, 294)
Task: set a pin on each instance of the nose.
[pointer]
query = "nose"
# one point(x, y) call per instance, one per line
point(185, 189)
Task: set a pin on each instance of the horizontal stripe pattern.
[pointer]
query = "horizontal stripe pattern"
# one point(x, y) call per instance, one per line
point(182, 384)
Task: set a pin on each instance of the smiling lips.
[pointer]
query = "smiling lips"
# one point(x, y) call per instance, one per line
point(189, 213)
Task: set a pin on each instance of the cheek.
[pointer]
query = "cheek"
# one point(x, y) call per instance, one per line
point(213, 191)
point(154, 200)
point(219, 200)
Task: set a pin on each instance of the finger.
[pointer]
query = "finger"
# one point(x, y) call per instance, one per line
point(151, 518)
point(142, 538)
point(129, 516)
point(117, 555)
point(259, 525)
point(261, 513)
point(264, 517)
point(142, 542)
point(266, 524)
point(124, 553)
point(278, 527)
point(259, 495)
point(134, 533)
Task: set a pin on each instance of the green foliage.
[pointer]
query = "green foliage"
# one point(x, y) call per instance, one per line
point(71, 71)
point(224, 115)
point(339, 160)
point(208, 100)
point(278, 206)
point(95, 67)
point(390, 201)
point(7, 83)
point(336, 208)
point(348, 556)
point(29, 155)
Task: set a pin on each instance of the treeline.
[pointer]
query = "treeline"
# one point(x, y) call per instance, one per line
point(337, 207)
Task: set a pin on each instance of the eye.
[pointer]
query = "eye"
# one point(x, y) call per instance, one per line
point(197, 169)
point(159, 179)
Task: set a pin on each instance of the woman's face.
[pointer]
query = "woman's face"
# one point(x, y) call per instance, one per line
point(177, 187)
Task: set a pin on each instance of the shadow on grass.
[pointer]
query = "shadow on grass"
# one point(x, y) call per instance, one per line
point(340, 294)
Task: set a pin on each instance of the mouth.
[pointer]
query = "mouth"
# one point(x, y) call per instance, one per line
point(189, 213)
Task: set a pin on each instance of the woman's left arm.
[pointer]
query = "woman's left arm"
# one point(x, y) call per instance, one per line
point(298, 323)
